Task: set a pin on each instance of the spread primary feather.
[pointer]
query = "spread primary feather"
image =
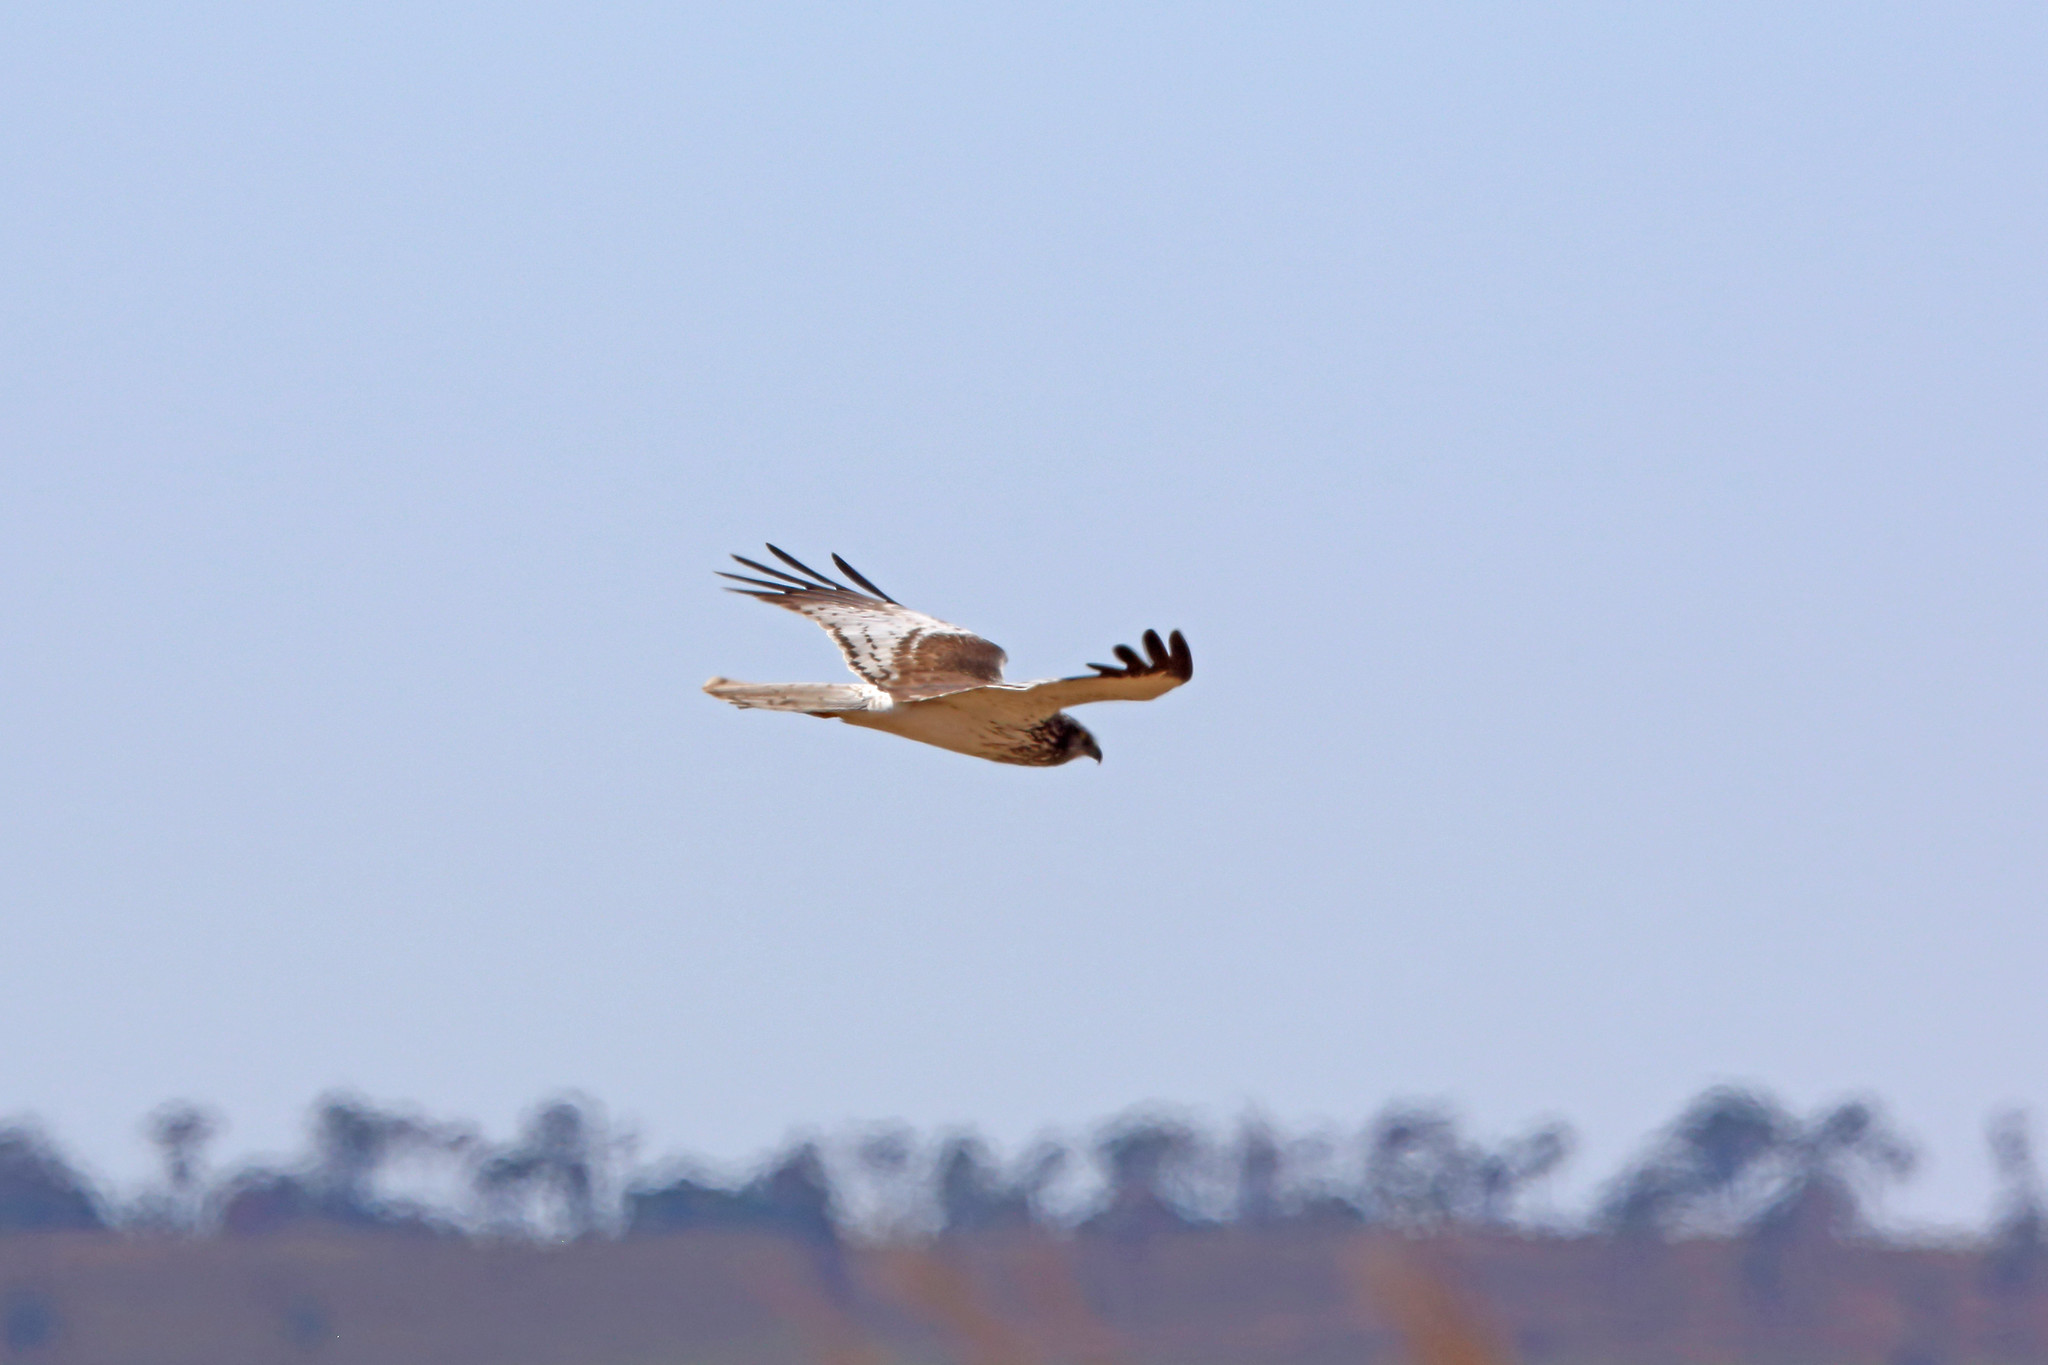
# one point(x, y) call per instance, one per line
point(938, 683)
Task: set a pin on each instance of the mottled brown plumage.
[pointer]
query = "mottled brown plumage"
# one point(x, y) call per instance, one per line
point(938, 683)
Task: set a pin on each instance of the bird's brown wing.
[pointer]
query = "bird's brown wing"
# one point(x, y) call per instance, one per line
point(907, 654)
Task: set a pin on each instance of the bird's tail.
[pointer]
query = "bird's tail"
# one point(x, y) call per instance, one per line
point(816, 699)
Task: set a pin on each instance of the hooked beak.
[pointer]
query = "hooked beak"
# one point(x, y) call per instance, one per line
point(1093, 752)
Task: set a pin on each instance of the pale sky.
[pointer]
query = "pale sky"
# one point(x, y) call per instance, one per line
point(1596, 453)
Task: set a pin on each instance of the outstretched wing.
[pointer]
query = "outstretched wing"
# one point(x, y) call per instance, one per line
point(1166, 665)
point(907, 654)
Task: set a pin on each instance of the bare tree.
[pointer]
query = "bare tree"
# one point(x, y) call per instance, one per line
point(1505, 1173)
point(889, 1189)
point(1829, 1168)
point(1735, 1161)
point(1417, 1172)
point(354, 1144)
point(353, 1140)
point(1833, 1165)
point(791, 1194)
point(180, 1131)
point(1706, 1165)
point(1421, 1172)
point(562, 1158)
point(1260, 1161)
point(977, 1194)
point(2019, 1236)
point(1147, 1162)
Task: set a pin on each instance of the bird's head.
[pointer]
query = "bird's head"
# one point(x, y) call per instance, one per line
point(1076, 742)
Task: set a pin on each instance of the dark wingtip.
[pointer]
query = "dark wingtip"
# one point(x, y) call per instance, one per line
point(757, 582)
point(804, 568)
point(1170, 656)
point(857, 576)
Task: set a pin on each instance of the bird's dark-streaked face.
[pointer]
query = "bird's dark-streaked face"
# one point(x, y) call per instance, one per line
point(1076, 742)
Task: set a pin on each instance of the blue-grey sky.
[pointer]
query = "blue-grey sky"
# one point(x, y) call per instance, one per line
point(1596, 452)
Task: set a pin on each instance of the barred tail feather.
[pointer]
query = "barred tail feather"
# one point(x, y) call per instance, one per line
point(817, 699)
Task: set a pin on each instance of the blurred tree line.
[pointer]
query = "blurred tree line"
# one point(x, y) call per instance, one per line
point(1734, 1163)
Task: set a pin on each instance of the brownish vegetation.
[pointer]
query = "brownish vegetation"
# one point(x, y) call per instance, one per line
point(1227, 1296)
point(1738, 1236)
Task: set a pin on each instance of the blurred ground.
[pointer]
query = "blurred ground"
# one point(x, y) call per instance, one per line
point(1011, 1299)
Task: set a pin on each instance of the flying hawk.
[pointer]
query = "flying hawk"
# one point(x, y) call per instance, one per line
point(938, 683)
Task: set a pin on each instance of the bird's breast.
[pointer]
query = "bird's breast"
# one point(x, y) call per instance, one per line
point(943, 723)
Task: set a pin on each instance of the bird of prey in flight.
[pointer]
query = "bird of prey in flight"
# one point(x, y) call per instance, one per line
point(937, 683)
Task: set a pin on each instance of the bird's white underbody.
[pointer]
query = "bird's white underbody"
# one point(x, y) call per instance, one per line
point(940, 684)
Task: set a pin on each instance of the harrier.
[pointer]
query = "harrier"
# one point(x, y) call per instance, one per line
point(937, 683)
